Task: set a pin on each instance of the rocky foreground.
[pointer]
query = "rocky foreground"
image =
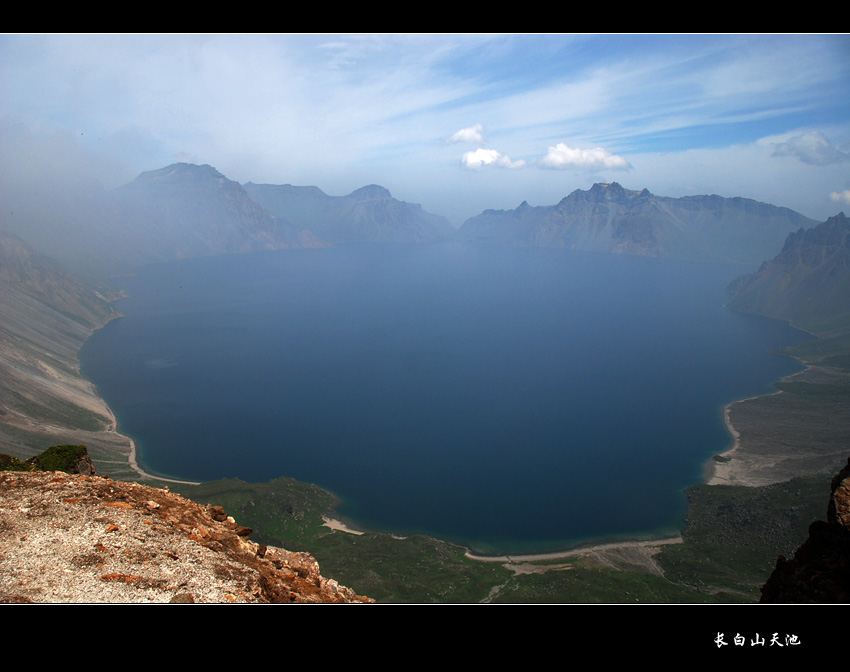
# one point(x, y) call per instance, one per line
point(76, 538)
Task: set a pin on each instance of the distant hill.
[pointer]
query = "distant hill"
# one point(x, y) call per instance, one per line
point(808, 282)
point(609, 218)
point(369, 214)
point(185, 210)
point(182, 210)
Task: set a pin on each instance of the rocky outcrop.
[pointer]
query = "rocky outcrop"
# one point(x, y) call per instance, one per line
point(368, 214)
point(72, 459)
point(808, 282)
point(76, 538)
point(820, 569)
point(609, 218)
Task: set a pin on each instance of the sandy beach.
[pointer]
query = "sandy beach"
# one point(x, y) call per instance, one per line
point(612, 553)
point(785, 434)
point(577, 552)
point(339, 526)
point(731, 469)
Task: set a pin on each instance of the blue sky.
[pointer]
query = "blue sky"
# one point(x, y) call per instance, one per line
point(458, 122)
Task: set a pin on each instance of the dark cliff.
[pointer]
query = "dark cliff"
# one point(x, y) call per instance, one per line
point(820, 569)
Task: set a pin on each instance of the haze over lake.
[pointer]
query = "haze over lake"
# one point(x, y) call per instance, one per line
point(510, 399)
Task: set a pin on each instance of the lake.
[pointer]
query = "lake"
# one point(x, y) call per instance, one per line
point(509, 399)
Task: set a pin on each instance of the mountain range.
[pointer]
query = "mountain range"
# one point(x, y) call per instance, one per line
point(187, 210)
point(609, 218)
point(369, 214)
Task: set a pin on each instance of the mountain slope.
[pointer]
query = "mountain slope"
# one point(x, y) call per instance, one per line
point(182, 210)
point(808, 282)
point(369, 214)
point(609, 218)
point(45, 317)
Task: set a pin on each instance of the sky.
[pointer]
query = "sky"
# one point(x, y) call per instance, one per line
point(457, 122)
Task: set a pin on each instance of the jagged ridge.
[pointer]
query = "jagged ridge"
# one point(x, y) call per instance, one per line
point(808, 282)
point(609, 218)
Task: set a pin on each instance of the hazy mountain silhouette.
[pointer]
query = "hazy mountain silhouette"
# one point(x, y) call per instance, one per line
point(182, 210)
point(609, 218)
point(369, 214)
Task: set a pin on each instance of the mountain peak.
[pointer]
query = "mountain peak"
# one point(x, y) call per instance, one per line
point(838, 220)
point(832, 233)
point(370, 192)
point(608, 191)
point(179, 170)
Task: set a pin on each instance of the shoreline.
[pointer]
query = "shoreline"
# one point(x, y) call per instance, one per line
point(112, 429)
point(578, 551)
point(723, 471)
point(751, 463)
point(339, 526)
point(715, 472)
point(583, 549)
point(727, 471)
point(134, 465)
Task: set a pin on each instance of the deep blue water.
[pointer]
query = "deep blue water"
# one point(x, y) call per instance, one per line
point(510, 399)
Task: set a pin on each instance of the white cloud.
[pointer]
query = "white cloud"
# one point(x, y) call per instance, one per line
point(841, 196)
point(561, 156)
point(489, 157)
point(813, 148)
point(473, 134)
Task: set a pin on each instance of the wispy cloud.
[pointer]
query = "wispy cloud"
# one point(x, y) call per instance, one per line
point(339, 111)
point(473, 135)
